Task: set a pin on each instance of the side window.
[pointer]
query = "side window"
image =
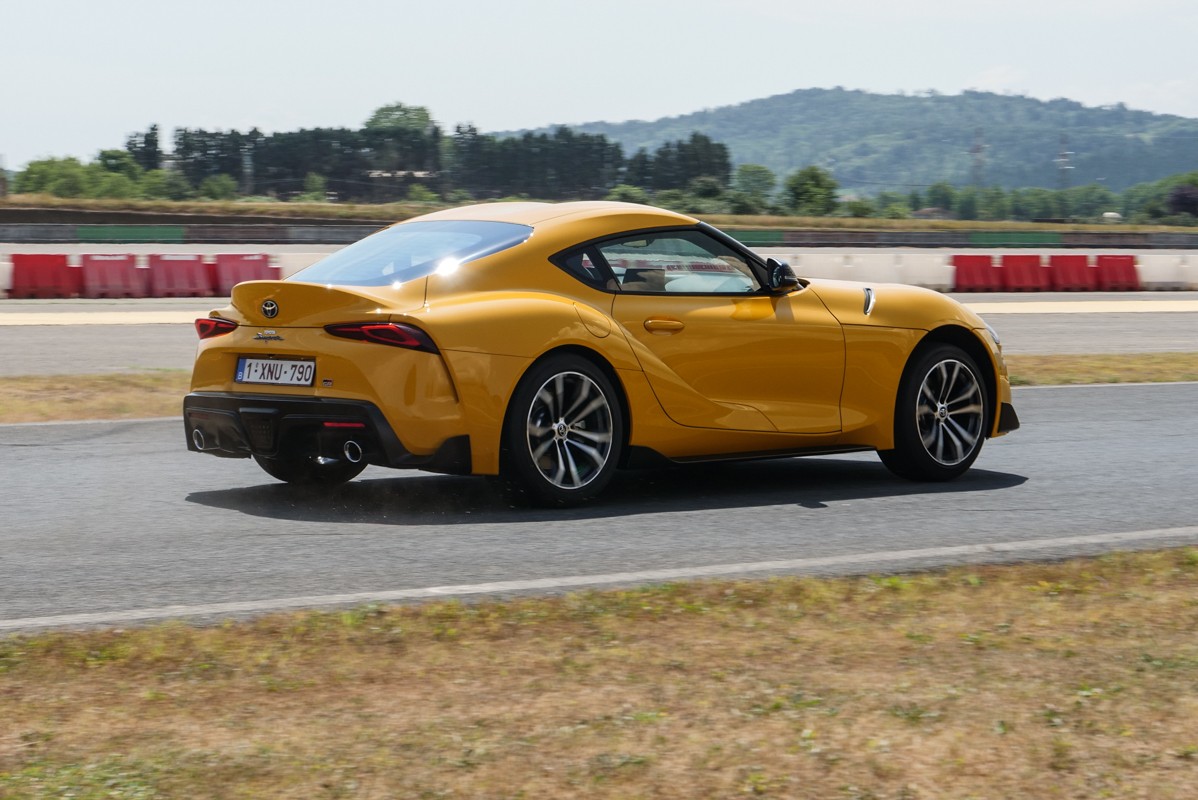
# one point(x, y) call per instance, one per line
point(687, 262)
point(581, 264)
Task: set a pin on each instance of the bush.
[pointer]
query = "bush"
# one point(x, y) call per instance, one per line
point(315, 184)
point(743, 203)
point(706, 187)
point(419, 193)
point(114, 185)
point(625, 193)
point(218, 187)
point(859, 208)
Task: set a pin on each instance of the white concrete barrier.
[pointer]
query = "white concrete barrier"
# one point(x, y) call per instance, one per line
point(1187, 272)
point(1161, 272)
point(821, 265)
point(5, 277)
point(291, 263)
point(930, 270)
point(873, 268)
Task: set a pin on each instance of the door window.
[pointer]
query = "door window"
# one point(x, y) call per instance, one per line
point(686, 262)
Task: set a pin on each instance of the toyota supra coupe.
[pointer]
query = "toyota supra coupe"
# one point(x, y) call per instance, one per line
point(552, 344)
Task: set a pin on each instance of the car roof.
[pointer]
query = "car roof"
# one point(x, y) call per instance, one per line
point(540, 215)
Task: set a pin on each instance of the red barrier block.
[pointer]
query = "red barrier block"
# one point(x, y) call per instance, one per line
point(141, 280)
point(110, 276)
point(178, 275)
point(1071, 273)
point(1024, 273)
point(1117, 273)
point(230, 269)
point(42, 275)
point(976, 273)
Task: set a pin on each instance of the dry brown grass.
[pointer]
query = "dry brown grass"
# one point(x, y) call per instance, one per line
point(1040, 681)
point(1108, 368)
point(127, 395)
point(383, 212)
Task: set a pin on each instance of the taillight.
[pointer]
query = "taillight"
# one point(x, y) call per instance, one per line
point(207, 327)
point(395, 334)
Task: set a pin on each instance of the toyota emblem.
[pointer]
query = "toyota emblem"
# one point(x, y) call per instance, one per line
point(270, 309)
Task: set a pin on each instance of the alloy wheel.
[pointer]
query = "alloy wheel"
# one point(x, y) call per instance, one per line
point(950, 412)
point(569, 430)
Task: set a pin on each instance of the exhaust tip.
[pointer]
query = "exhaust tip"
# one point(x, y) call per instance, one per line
point(352, 451)
point(197, 438)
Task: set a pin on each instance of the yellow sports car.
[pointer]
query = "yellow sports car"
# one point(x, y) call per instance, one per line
point(551, 344)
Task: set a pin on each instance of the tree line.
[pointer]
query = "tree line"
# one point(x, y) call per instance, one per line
point(400, 153)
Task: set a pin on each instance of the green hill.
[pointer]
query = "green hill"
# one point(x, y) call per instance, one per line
point(873, 142)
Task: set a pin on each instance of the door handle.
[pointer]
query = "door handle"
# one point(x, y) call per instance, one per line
point(665, 326)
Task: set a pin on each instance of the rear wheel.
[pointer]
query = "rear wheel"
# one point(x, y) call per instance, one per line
point(563, 433)
point(309, 471)
point(941, 416)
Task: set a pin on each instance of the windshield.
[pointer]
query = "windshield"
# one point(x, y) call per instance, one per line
point(413, 250)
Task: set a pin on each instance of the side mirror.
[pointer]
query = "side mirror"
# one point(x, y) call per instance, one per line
point(781, 277)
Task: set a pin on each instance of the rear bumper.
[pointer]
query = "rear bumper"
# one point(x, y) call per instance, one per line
point(1008, 420)
point(240, 426)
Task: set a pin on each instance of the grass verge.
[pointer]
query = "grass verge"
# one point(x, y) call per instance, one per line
point(126, 395)
point(1110, 368)
point(42, 398)
point(1073, 679)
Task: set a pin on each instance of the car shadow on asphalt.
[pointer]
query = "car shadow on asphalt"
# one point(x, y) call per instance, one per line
point(419, 499)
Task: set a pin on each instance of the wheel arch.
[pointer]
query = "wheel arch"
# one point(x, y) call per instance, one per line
point(600, 363)
point(968, 341)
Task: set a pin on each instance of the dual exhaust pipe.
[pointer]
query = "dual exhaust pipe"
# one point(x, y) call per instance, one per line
point(351, 450)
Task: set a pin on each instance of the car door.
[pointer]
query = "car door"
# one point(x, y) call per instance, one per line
point(718, 350)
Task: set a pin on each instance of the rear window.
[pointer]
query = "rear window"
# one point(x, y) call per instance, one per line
point(413, 250)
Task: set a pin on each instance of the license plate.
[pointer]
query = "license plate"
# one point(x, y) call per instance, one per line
point(278, 371)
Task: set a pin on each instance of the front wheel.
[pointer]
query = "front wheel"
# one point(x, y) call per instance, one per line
point(309, 471)
point(941, 416)
point(563, 433)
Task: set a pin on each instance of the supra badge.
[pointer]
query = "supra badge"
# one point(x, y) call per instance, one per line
point(270, 309)
point(268, 336)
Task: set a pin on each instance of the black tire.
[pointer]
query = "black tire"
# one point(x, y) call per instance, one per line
point(941, 417)
point(563, 434)
point(307, 472)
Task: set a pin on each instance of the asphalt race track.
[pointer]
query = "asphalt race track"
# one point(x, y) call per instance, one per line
point(111, 523)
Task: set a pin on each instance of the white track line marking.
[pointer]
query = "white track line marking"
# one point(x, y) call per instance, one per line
point(880, 558)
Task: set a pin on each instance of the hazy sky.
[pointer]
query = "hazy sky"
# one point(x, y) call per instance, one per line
point(77, 76)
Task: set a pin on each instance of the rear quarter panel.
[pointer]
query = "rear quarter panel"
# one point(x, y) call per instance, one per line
point(490, 339)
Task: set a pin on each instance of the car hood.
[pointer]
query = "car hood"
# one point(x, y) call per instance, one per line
point(894, 305)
